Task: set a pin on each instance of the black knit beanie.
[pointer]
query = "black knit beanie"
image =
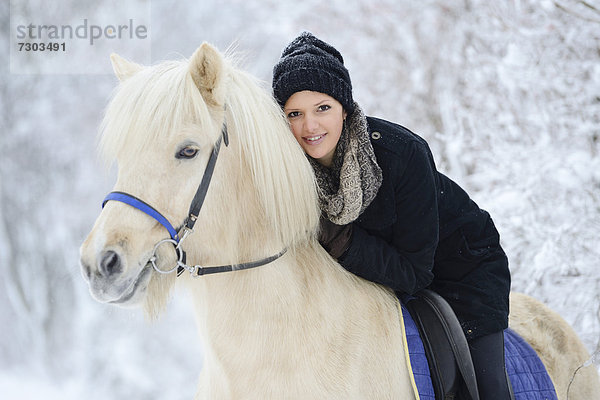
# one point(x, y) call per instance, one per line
point(308, 63)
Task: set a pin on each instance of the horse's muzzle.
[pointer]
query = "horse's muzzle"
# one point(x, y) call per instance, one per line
point(108, 278)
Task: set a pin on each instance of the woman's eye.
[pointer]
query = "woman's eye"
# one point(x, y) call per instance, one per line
point(293, 114)
point(187, 152)
point(324, 107)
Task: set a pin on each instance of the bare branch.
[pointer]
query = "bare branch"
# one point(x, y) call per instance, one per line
point(590, 6)
point(576, 14)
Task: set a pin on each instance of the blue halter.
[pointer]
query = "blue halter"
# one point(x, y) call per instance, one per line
point(196, 204)
point(145, 207)
point(188, 224)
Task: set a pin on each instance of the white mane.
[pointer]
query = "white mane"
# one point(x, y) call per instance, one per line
point(162, 100)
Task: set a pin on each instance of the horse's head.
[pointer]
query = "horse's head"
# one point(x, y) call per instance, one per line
point(161, 127)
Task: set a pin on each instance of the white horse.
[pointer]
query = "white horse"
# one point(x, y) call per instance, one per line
point(299, 327)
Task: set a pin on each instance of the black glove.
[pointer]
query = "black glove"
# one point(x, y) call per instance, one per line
point(334, 238)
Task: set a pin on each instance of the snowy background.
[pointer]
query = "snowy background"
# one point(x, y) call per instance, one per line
point(507, 94)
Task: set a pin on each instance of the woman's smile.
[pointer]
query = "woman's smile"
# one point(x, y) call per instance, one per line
point(314, 140)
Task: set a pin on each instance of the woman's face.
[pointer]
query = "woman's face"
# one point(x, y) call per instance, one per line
point(316, 120)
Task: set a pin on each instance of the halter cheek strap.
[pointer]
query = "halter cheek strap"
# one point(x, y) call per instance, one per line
point(198, 199)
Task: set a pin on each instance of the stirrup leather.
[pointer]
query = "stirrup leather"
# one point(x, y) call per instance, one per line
point(446, 348)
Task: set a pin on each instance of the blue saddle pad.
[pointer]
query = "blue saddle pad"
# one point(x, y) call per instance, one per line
point(529, 378)
point(418, 359)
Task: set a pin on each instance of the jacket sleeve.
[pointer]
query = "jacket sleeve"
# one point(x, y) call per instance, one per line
point(405, 262)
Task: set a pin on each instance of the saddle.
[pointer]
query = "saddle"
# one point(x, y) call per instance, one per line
point(446, 348)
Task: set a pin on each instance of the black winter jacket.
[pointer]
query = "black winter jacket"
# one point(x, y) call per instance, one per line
point(422, 230)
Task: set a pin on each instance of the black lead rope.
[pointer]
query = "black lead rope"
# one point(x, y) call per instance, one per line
point(200, 271)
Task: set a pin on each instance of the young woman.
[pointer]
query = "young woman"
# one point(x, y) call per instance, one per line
point(388, 215)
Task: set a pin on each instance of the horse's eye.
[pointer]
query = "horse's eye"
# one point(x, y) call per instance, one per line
point(187, 152)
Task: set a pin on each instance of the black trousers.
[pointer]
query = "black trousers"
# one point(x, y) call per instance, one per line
point(487, 353)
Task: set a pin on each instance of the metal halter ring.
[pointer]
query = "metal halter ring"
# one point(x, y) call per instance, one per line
point(179, 252)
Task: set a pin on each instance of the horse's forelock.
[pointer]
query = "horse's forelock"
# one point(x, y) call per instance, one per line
point(148, 107)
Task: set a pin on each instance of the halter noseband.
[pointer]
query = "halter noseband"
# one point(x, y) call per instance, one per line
point(188, 225)
point(145, 207)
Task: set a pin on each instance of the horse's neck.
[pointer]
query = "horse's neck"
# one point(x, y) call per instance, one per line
point(301, 320)
point(266, 309)
point(261, 297)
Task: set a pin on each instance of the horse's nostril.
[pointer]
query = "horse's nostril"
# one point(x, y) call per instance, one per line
point(110, 263)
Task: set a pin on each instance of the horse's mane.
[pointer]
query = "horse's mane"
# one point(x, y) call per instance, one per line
point(162, 99)
point(280, 170)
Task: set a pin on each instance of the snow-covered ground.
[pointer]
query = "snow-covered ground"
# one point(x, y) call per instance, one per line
point(506, 93)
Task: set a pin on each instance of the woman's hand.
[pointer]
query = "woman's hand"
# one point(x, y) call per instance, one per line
point(334, 238)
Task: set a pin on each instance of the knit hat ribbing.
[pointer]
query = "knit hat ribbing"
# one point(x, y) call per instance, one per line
point(309, 63)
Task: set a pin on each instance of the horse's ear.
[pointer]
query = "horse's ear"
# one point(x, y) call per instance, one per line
point(123, 68)
point(207, 69)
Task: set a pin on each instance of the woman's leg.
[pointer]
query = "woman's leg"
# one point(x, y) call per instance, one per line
point(487, 353)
